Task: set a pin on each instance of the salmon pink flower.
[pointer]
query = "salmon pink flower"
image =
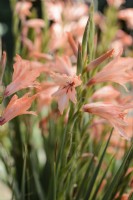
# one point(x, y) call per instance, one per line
point(119, 70)
point(17, 107)
point(66, 91)
point(106, 93)
point(23, 76)
point(113, 113)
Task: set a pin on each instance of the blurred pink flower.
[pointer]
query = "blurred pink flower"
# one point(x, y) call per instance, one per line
point(99, 20)
point(37, 25)
point(75, 12)
point(23, 9)
point(54, 10)
point(121, 40)
point(113, 113)
point(58, 38)
point(119, 70)
point(116, 3)
point(127, 15)
point(17, 107)
point(66, 91)
point(125, 38)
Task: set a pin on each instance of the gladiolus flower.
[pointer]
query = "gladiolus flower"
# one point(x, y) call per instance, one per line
point(66, 91)
point(17, 107)
point(119, 70)
point(113, 113)
point(106, 93)
point(23, 76)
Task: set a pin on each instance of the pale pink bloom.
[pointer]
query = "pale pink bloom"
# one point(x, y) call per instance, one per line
point(23, 76)
point(117, 44)
point(38, 41)
point(122, 40)
point(28, 44)
point(66, 91)
point(127, 15)
point(125, 38)
point(116, 3)
point(58, 38)
point(113, 113)
point(54, 10)
point(17, 107)
point(106, 93)
point(120, 145)
point(119, 70)
point(99, 20)
point(23, 9)
point(36, 24)
point(77, 28)
point(75, 12)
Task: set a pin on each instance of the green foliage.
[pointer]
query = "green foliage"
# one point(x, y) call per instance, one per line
point(65, 162)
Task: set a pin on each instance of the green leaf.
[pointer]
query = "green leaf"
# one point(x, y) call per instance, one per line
point(95, 175)
point(79, 60)
point(100, 182)
point(113, 187)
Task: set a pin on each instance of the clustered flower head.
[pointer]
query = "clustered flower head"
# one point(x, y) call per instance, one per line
point(59, 74)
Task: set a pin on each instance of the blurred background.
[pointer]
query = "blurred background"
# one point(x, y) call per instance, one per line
point(6, 19)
